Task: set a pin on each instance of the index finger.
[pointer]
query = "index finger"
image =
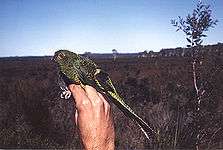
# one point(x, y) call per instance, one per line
point(79, 95)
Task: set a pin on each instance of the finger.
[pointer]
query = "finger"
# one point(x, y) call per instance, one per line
point(106, 104)
point(76, 117)
point(93, 96)
point(107, 108)
point(80, 96)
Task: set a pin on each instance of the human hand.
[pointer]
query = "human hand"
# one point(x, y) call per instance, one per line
point(93, 118)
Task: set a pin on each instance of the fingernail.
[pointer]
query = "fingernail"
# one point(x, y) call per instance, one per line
point(73, 86)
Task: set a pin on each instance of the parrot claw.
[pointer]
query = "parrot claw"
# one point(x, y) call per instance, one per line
point(66, 93)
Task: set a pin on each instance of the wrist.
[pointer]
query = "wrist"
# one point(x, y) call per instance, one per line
point(99, 145)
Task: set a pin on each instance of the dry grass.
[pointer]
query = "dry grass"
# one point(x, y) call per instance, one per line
point(159, 89)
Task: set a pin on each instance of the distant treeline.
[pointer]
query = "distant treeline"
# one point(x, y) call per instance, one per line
point(167, 52)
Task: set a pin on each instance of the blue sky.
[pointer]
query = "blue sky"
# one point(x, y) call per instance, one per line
point(39, 27)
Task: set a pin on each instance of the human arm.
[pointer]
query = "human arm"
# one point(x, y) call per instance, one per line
point(93, 118)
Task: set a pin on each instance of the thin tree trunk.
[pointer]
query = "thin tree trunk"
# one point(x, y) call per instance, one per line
point(195, 85)
point(198, 101)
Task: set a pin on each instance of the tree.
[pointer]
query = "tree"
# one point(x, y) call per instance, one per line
point(195, 24)
point(114, 52)
point(144, 53)
point(194, 27)
point(87, 54)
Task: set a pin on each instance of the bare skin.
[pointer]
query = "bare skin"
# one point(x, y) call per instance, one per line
point(93, 118)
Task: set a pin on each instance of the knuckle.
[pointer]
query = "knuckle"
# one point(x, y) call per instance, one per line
point(107, 105)
point(89, 88)
point(84, 104)
point(74, 87)
point(98, 102)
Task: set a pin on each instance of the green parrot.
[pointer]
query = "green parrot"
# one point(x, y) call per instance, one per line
point(83, 71)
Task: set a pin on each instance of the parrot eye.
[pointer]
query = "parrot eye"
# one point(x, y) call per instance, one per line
point(61, 56)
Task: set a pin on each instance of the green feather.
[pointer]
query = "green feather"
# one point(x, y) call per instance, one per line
point(84, 71)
